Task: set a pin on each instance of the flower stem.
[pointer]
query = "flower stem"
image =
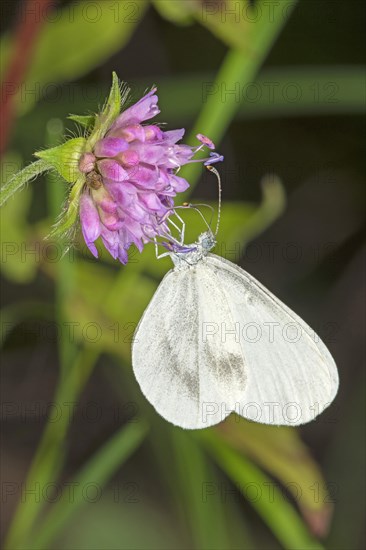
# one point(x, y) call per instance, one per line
point(21, 178)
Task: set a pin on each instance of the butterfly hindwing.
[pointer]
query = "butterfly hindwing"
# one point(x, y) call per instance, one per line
point(292, 376)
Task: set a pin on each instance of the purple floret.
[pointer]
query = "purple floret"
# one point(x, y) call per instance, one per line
point(132, 180)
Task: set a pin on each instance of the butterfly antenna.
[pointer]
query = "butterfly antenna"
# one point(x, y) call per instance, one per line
point(213, 169)
point(196, 208)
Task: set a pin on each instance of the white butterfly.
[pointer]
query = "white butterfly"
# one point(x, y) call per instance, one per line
point(213, 340)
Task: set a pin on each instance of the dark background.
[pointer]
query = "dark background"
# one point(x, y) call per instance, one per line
point(311, 257)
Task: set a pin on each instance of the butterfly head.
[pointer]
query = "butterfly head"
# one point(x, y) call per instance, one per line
point(188, 255)
point(206, 241)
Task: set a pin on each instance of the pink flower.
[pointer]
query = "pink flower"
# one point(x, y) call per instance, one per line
point(131, 179)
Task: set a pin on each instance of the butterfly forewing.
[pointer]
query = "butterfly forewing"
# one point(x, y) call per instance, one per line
point(185, 369)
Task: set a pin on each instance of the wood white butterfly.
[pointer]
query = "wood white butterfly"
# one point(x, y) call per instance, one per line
point(213, 340)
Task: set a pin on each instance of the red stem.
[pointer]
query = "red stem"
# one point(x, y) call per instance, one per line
point(32, 15)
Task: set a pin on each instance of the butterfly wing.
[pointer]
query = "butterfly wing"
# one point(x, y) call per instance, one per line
point(192, 378)
point(291, 376)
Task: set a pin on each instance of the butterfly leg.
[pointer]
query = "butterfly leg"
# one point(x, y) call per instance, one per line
point(163, 254)
point(181, 230)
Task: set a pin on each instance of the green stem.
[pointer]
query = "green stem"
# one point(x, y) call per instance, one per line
point(238, 69)
point(21, 178)
point(97, 470)
point(48, 460)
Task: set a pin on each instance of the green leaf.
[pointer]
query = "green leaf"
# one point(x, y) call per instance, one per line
point(179, 11)
point(21, 178)
point(98, 470)
point(240, 24)
point(280, 451)
point(87, 121)
point(65, 158)
point(275, 510)
point(73, 43)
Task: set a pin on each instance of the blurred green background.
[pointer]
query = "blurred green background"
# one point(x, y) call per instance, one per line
point(86, 461)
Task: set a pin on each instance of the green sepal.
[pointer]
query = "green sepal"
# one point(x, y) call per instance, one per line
point(87, 121)
point(65, 158)
point(110, 112)
point(112, 107)
point(70, 214)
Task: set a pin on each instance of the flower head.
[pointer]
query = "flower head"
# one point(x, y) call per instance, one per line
point(131, 179)
point(123, 174)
